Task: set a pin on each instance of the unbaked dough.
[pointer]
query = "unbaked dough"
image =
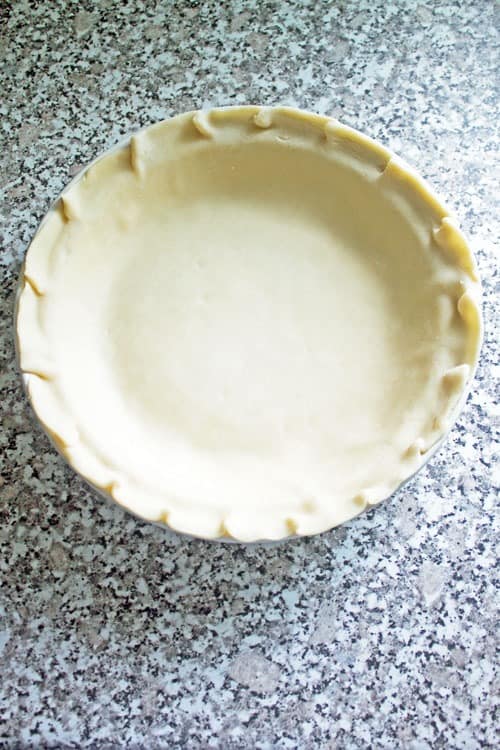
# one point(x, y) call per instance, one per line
point(248, 322)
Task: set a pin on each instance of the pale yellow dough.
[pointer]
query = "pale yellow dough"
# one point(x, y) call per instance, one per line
point(248, 322)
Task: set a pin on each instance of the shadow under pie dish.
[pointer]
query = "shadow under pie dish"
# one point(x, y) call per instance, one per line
point(248, 323)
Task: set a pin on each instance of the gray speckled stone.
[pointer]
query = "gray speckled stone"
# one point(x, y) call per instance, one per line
point(380, 634)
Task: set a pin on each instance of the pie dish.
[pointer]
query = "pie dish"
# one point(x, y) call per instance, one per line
point(248, 322)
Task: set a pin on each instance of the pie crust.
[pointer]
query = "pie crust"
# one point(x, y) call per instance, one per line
point(248, 322)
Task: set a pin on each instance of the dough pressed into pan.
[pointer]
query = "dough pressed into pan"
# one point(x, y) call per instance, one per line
point(248, 322)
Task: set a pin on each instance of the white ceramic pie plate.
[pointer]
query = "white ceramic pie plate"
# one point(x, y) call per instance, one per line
point(248, 323)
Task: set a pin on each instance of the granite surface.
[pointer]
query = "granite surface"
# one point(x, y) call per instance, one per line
point(379, 634)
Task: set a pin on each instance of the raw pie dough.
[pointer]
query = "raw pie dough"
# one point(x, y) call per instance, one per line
point(248, 322)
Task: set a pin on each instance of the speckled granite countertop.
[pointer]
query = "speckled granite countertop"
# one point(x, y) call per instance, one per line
point(380, 634)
